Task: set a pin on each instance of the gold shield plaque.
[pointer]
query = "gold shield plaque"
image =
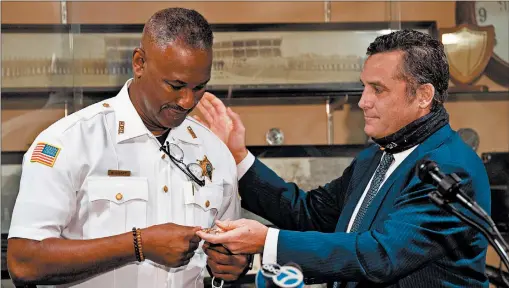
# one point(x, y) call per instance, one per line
point(469, 49)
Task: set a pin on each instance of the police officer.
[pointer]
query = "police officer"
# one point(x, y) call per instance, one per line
point(112, 195)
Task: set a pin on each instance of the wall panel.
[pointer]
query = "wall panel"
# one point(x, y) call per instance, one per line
point(215, 12)
point(30, 12)
point(442, 11)
point(369, 11)
point(21, 126)
point(490, 119)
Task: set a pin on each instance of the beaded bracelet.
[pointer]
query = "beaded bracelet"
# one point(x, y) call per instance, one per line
point(138, 249)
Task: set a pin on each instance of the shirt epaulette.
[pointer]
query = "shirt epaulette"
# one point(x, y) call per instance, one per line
point(199, 123)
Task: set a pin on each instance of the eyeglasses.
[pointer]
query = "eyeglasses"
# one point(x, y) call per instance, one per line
point(192, 170)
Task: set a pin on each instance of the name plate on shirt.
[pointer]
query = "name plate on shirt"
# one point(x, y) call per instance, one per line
point(119, 173)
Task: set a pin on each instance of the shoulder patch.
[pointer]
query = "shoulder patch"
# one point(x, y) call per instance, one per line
point(45, 154)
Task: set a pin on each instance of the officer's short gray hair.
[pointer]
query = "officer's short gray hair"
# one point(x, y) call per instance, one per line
point(171, 24)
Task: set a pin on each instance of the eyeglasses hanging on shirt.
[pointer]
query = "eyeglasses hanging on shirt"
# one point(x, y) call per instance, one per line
point(192, 170)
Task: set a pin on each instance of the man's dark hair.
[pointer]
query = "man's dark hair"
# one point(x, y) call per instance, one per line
point(424, 60)
point(171, 24)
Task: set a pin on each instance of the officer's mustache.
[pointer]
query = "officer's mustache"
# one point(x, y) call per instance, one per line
point(176, 107)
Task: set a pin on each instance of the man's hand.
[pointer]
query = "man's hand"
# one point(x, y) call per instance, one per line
point(170, 244)
point(223, 264)
point(225, 123)
point(241, 236)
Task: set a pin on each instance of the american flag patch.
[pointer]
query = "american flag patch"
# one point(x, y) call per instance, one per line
point(45, 154)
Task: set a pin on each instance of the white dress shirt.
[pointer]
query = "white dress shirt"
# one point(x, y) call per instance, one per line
point(67, 192)
point(270, 248)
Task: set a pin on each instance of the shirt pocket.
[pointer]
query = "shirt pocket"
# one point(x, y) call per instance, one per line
point(202, 205)
point(116, 205)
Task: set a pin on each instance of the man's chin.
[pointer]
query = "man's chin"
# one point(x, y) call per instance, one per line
point(368, 130)
point(372, 133)
point(173, 123)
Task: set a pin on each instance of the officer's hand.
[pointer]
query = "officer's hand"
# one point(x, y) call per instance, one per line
point(223, 264)
point(225, 123)
point(170, 244)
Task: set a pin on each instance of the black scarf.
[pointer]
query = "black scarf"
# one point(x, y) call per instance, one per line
point(415, 132)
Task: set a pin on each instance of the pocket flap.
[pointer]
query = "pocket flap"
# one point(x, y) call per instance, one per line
point(207, 197)
point(117, 189)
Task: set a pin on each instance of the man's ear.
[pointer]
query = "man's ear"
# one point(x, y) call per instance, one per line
point(425, 94)
point(138, 62)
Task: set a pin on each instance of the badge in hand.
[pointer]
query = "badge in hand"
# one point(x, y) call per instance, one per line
point(212, 230)
point(222, 249)
point(206, 167)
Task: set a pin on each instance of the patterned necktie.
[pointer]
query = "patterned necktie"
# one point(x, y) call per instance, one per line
point(373, 190)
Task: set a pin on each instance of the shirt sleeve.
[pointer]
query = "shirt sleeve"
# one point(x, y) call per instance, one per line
point(245, 164)
point(270, 248)
point(46, 199)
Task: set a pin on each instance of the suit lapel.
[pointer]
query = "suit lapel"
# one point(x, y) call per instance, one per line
point(365, 168)
point(376, 204)
point(363, 171)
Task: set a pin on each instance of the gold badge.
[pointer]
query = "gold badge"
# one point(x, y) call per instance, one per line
point(190, 130)
point(206, 167)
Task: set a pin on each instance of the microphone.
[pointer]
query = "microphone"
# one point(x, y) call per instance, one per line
point(272, 275)
point(448, 188)
point(429, 172)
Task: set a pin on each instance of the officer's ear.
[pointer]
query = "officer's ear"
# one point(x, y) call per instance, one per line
point(138, 62)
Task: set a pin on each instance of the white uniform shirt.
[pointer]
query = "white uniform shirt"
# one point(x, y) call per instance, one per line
point(71, 195)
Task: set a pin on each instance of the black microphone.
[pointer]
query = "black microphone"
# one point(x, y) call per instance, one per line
point(449, 188)
point(428, 171)
point(448, 185)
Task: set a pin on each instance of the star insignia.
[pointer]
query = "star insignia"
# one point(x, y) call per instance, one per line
point(206, 167)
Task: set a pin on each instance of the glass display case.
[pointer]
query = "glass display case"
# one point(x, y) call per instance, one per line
point(246, 56)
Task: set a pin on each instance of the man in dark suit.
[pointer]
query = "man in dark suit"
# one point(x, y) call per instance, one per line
point(375, 225)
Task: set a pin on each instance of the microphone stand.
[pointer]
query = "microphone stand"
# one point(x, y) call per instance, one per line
point(448, 191)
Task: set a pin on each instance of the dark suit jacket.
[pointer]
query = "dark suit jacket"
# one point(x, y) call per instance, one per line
point(404, 240)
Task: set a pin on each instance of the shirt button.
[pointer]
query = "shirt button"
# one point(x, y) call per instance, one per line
point(207, 203)
point(106, 105)
point(165, 188)
point(119, 196)
point(163, 156)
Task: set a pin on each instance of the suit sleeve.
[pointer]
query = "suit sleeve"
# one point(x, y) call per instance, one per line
point(416, 233)
point(266, 194)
